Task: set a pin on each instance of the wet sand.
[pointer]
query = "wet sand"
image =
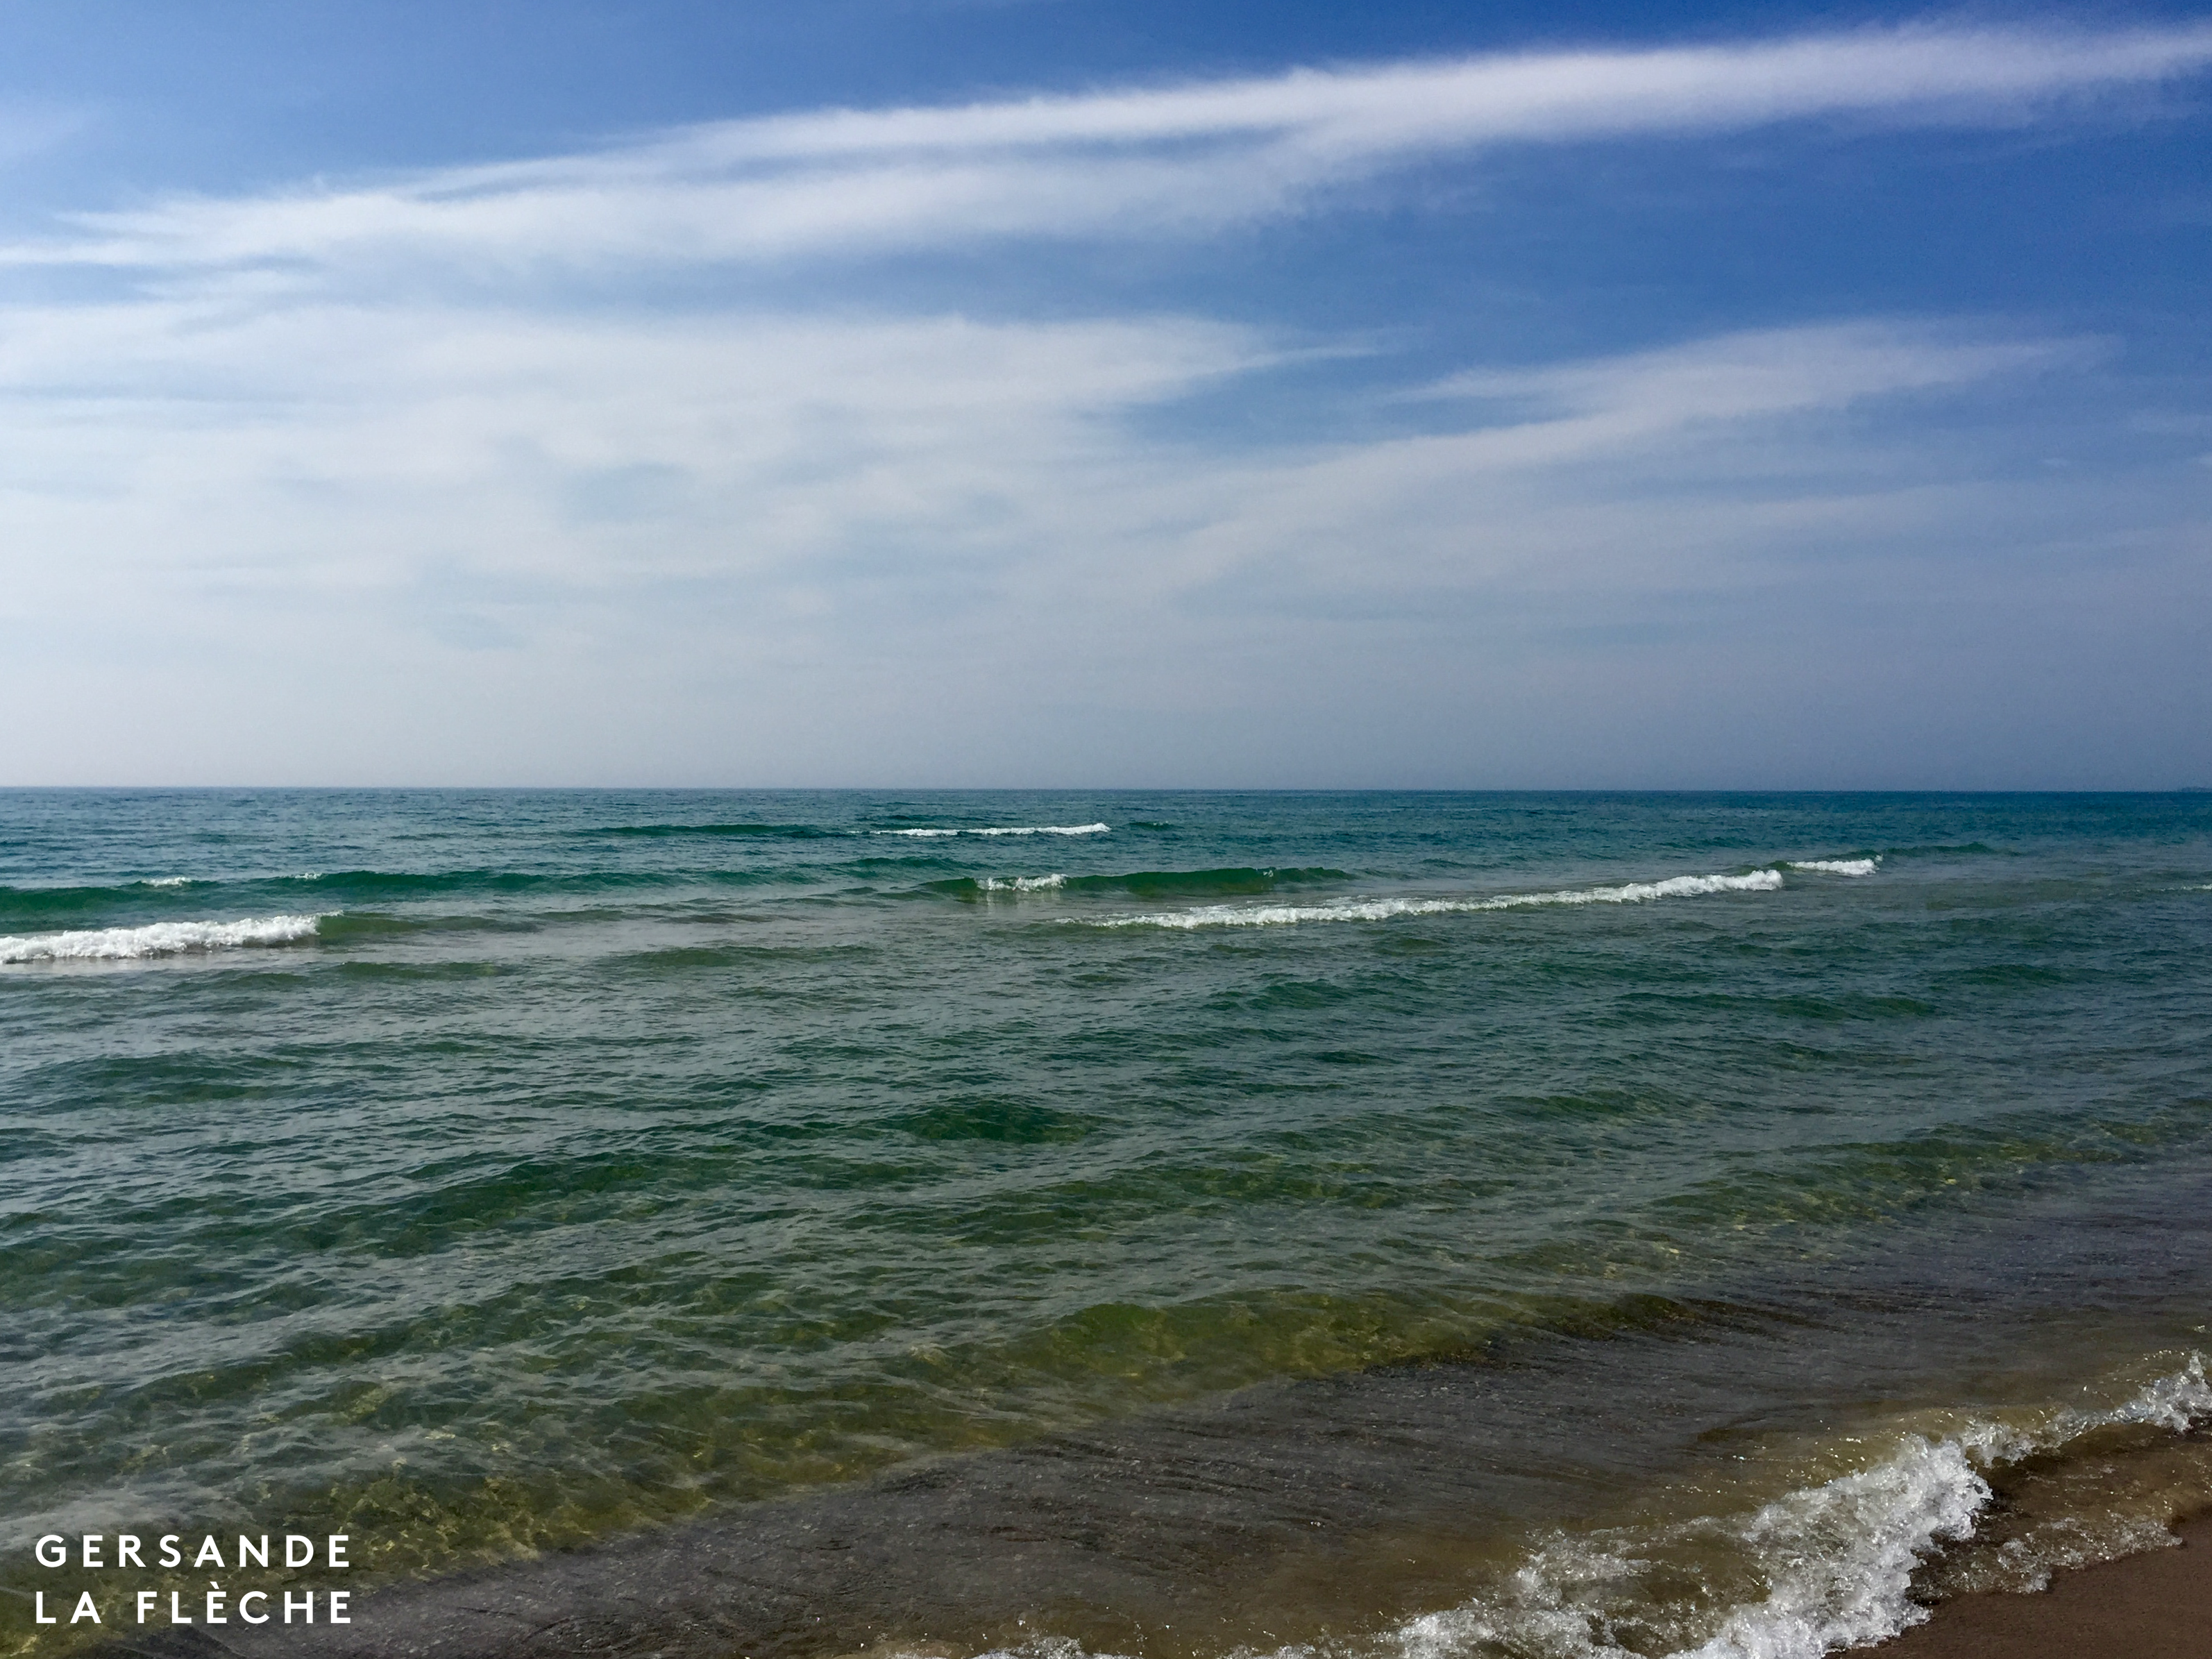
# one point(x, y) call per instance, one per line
point(2157, 1605)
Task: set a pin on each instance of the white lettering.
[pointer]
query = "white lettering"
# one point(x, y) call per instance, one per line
point(216, 1598)
point(337, 1541)
point(126, 1550)
point(60, 1556)
point(245, 1548)
point(299, 1551)
point(253, 1595)
point(176, 1612)
point(85, 1609)
point(146, 1599)
point(39, 1609)
point(91, 1549)
point(208, 1550)
point(169, 1556)
point(337, 1614)
point(306, 1604)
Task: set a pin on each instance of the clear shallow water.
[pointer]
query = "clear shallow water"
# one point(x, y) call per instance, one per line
point(498, 1173)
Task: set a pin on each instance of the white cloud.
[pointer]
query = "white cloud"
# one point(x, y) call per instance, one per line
point(339, 447)
point(258, 526)
point(1111, 163)
point(290, 543)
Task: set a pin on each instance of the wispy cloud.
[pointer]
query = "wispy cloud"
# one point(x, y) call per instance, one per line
point(786, 500)
point(1155, 161)
point(780, 546)
point(343, 440)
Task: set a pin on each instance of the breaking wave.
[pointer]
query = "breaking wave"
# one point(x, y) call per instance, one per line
point(1836, 866)
point(1264, 916)
point(1831, 1567)
point(159, 938)
point(1837, 1560)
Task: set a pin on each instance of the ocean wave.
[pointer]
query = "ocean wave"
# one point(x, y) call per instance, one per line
point(1144, 883)
point(1264, 916)
point(1837, 1560)
point(367, 886)
point(20, 905)
point(1015, 829)
point(1835, 866)
point(159, 938)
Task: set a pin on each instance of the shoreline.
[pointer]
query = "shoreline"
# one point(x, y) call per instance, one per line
point(2157, 1605)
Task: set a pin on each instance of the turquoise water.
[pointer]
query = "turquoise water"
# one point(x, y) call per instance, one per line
point(491, 1174)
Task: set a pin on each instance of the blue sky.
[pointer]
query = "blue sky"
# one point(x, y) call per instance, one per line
point(1058, 393)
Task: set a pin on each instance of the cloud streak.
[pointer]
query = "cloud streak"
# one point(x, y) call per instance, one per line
point(370, 445)
point(881, 489)
point(757, 545)
point(1167, 161)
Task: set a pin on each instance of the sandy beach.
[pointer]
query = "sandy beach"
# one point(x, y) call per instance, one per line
point(2157, 1605)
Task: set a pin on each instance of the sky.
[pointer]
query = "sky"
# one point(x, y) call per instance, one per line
point(1093, 393)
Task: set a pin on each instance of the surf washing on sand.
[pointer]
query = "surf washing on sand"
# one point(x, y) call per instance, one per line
point(1417, 1226)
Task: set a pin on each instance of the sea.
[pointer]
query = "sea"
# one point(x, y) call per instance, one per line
point(1179, 1224)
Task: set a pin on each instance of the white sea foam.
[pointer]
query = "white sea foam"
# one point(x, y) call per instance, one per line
point(1022, 883)
point(1838, 1559)
point(1268, 915)
point(1838, 866)
point(2178, 1401)
point(1843, 1555)
point(168, 881)
point(161, 938)
point(1016, 829)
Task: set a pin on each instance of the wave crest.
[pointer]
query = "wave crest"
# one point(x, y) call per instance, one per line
point(1265, 915)
point(161, 938)
point(1837, 1560)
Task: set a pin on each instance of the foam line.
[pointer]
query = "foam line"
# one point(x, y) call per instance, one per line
point(1836, 866)
point(1267, 915)
point(1838, 1559)
point(161, 938)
